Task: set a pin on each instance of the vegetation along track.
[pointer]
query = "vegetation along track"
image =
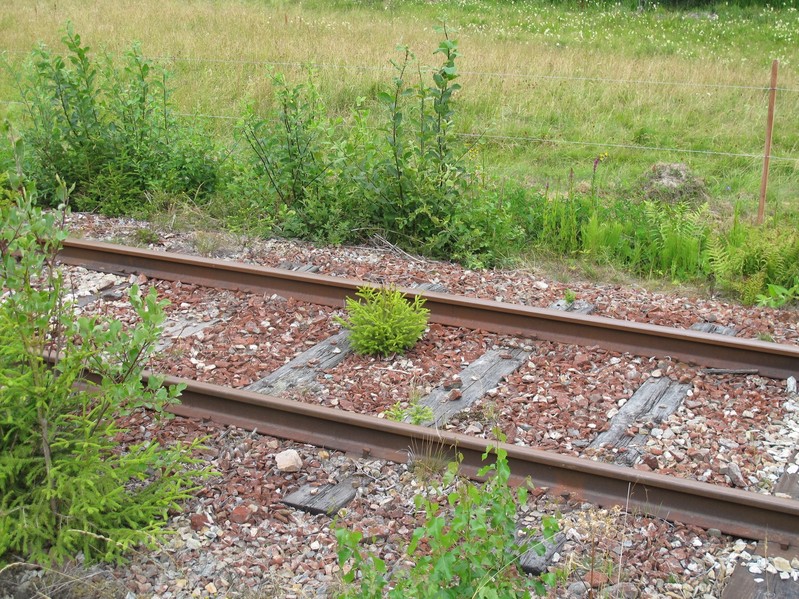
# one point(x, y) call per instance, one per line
point(733, 511)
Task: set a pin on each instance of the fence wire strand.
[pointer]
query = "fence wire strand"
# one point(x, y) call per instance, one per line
point(622, 146)
point(497, 137)
point(495, 74)
point(529, 139)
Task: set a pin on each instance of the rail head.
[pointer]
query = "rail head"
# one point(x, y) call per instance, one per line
point(732, 511)
point(694, 347)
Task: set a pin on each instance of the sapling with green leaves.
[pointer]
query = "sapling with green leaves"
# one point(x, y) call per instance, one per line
point(467, 547)
point(108, 129)
point(66, 484)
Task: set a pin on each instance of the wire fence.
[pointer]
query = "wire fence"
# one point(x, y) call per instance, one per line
point(494, 74)
point(518, 139)
point(492, 134)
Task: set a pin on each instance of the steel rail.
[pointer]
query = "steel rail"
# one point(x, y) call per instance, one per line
point(704, 349)
point(735, 512)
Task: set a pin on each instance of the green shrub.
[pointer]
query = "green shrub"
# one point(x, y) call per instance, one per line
point(385, 322)
point(334, 180)
point(293, 144)
point(484, 231)
point(304, 173)
point(471, 545)
point(108, 130)
point(66, 484)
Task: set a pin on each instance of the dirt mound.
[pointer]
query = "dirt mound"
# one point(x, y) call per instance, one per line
point(673, 183)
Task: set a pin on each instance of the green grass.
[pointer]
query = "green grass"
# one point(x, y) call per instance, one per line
point(585, 76)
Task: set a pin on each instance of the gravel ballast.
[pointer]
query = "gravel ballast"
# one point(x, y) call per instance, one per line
point(236, 538)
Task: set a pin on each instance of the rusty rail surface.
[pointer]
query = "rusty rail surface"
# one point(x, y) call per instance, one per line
point(739, 513)
point(704, 349)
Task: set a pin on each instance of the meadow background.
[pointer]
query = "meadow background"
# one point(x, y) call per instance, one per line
point(547, 89)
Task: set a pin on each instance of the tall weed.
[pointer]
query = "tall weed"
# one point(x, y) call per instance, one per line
point(466, 547)
point(419, 177)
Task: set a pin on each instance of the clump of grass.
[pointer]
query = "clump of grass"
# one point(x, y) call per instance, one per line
point(208, 243)
point(68, 581)
point(428, 458)
point(602, 532)
point(145, 236)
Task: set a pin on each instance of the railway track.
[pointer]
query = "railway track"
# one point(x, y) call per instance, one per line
point(693, 347)
point(735, 512)
point(739, 513)
point(282, 417)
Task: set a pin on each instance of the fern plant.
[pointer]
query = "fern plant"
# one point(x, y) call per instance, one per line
point(384, 322)
point(748, 259)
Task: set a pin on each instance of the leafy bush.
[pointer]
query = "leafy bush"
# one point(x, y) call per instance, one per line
point(467, 548)
point(304, 175)
point(293, 144)
point(66, 485)
point(418, 177)
point(777, 296)
point(333, 180)
point(485, 232)
point(108, 130)
point(385, 322)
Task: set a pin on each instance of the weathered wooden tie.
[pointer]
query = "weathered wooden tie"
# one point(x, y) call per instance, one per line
point(480, 376)
point(326, 499)
point(744, 584)
point(298, 266)
point(113, 293)
point(653, 402)
point(711, 327)
point(577, 306)
point(533, 563)
point(301, 372)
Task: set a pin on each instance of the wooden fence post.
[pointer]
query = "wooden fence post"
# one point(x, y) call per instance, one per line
point(772, 96)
